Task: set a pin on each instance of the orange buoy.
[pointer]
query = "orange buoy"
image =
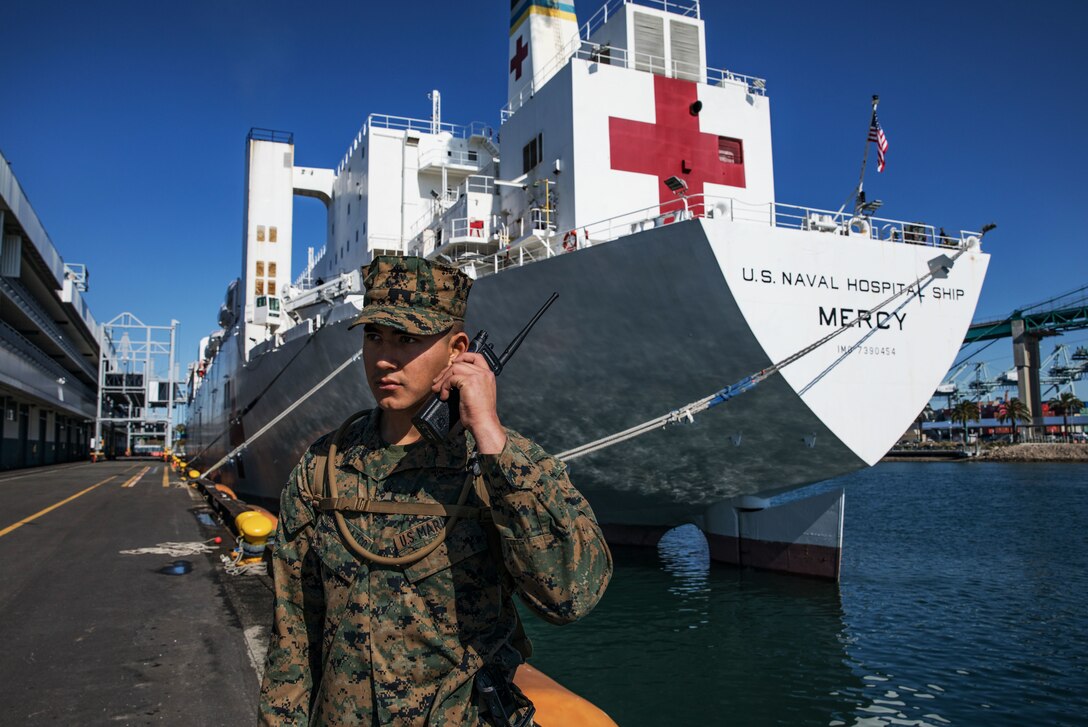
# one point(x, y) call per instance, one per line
point(557, 705)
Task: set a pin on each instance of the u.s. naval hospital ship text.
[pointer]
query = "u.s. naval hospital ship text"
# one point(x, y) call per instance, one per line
point(637, 182)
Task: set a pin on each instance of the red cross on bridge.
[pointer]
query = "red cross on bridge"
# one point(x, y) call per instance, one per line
point(674, 145)
point(520, 55)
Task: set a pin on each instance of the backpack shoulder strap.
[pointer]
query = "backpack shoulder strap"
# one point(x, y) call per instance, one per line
point(314, 494)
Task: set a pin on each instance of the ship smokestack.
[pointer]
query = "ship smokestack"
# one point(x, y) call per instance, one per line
point(543, 35)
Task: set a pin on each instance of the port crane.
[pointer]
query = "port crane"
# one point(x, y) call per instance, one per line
point(975, 381)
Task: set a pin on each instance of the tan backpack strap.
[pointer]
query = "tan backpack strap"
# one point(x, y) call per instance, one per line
point(312, 496)
point(342, 525)
point(400, 560)
point(386, 507)
point(481, 488)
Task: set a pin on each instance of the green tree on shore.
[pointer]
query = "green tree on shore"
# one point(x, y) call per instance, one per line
point(1013, 410)
point(1063, 406)
point(963, 412)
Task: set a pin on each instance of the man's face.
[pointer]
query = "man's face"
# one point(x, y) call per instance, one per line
point(400, 367)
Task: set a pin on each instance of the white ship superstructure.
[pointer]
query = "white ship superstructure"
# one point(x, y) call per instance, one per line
point(637, 182)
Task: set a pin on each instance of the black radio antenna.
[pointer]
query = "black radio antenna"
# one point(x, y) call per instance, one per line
point(513, 347)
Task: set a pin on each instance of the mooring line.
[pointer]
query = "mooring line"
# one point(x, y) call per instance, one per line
point(938, 268)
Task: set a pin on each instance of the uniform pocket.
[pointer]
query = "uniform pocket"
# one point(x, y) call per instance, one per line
point(330, 548)
point(467, 539)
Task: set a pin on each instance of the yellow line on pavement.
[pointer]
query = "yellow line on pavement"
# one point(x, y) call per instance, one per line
point(136, 477)
point(165, 476)
point(46, 470)
point(38, 514)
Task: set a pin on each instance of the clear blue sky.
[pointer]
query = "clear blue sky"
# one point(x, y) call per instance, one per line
point(125, 121)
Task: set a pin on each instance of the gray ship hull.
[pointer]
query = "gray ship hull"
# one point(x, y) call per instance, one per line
point(643, 325)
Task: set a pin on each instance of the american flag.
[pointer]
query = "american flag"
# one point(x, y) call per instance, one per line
point(877, 134)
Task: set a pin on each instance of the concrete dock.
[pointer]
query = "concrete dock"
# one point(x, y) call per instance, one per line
point(93, 635)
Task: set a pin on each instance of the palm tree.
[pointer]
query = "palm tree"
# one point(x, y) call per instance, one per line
point(1015, 409)
point(965, 411)
point(1064, 406)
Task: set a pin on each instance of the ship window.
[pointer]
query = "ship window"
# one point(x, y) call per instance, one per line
point(260, 269)
point(271, 287)
point(260, 233)
point(730, 151)
point(271, 234)
point(532, 153)
point(271, 270)
point(258, 287)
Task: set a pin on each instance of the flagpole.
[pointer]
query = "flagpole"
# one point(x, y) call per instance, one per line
point(859, 191)
point(859, 197)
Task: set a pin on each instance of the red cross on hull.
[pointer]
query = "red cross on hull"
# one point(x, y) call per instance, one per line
point(674, 145)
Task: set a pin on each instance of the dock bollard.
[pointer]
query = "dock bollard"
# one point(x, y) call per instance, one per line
point(255, 527)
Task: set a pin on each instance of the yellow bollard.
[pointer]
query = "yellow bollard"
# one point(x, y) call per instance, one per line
point(255, 527)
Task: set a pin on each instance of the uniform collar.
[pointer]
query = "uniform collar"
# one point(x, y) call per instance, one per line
point(373, 457)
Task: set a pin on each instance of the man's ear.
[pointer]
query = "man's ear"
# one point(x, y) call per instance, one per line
point(458, 344)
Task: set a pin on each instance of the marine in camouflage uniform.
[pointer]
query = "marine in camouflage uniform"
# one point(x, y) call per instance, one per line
point(358, 641)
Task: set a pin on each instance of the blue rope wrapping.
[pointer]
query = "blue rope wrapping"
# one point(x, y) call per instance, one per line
point(748, 382)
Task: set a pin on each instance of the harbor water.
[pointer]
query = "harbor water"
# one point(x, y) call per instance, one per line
point(963, 601)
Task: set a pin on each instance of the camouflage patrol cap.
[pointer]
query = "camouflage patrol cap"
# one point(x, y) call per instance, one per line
point(413, 294)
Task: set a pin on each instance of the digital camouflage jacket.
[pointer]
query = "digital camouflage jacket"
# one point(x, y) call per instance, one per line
point(363, 644)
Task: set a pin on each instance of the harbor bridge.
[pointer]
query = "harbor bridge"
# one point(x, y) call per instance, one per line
point(1026, 327)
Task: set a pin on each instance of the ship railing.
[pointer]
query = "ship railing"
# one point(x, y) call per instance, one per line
point(428, 126)
point(328, 292)
point(448, 217)
point(542, 219)
point(645, 62)
point(436, 209)
point(687, 8)
point(470, 227)
point(280, 137)
point(874, 228)
point(543, 239)
point(450, 157)
point(305, 279)
point(479, 184)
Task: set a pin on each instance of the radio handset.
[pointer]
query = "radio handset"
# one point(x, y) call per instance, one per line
point(438, 419)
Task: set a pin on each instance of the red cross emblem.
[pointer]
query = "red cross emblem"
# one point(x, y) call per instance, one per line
point(674, 146)
point(520, 55)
